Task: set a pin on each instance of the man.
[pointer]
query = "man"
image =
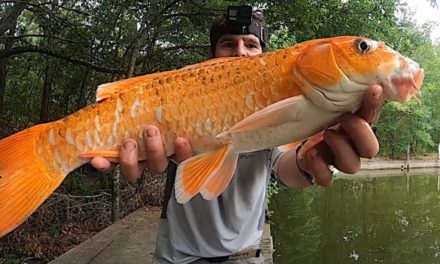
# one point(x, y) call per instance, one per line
point(230, 227)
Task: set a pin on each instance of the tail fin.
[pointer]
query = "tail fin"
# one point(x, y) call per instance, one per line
point(25, 181)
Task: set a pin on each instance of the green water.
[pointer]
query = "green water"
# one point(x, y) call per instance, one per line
point(377, 220)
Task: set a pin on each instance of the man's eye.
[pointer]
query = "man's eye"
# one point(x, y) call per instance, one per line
point(252, 45)
point(226, 44)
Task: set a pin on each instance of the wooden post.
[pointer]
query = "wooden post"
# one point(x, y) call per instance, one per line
point(116, 194)
point(405, 166)
point(438, 182)
point(438, 152)
point(408, 148)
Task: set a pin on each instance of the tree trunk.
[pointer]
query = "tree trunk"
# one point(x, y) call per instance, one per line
point(116, 194)
point(48, 73)
point(3, 67)
point(3, 63)
point(82, 101)
point(10, 21)
point(135, 50)
point(47, 89)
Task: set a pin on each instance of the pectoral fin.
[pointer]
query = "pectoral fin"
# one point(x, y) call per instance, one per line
point(218, 182)
point(203, 170)
point(286, 121)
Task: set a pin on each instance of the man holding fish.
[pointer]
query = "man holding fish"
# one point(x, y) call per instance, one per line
point(227, 229)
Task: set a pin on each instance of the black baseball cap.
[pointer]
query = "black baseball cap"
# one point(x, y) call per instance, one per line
point(240, 20)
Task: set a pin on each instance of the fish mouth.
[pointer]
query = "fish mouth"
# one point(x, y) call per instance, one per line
point(405, 87)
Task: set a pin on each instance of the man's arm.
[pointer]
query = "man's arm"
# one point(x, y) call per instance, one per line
point(341, 146)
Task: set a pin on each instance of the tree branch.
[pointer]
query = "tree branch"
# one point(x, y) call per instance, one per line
point(12, 17)
point(203, 7)
point(42, 36)
point(190, 15)
point(195, 46)
point(36, 49)
point(39, 6)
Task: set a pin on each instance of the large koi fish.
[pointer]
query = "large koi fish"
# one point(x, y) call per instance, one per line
point(224, 106)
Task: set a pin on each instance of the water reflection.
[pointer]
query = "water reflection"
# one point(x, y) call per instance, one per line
point(392, 219)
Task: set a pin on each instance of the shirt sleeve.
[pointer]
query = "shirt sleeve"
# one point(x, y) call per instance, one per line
point(275, 158)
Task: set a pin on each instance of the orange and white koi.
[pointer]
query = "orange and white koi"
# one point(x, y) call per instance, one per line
point(224, 106)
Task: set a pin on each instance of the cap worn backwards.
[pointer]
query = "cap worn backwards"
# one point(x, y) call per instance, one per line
point(239, 20)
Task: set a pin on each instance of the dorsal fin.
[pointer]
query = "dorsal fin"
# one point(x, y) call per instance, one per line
point(107, 90)
point(209, 62)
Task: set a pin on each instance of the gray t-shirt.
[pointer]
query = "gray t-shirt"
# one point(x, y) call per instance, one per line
point(220, 227)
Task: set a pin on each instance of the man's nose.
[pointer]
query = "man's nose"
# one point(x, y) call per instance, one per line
point(239, 50)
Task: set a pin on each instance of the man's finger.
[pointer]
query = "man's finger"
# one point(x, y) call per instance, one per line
point(346, 159)
point(314, 157)
point(372, 104)
point(317, 143)
point(318, 168)
point(101, 164)
point(362, 136)
point(157, 159)
point(128, 160)
point(183, 149)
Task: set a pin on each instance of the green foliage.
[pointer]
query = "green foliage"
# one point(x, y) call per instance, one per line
point(10, 259)
point(281, 39)
point(273, 189)
point(316, 19)
point(76, 183)
point(402, 125)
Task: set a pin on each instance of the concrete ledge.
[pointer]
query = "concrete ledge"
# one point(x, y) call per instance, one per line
point(398, 164)
point(130, 240)
point(266, 245)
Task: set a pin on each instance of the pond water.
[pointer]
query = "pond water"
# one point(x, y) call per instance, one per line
point(383, 219)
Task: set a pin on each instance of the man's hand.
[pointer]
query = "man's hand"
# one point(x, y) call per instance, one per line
point(341, 146)
point(131, 168)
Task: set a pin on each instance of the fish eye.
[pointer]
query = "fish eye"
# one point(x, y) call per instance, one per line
point(363, 45)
